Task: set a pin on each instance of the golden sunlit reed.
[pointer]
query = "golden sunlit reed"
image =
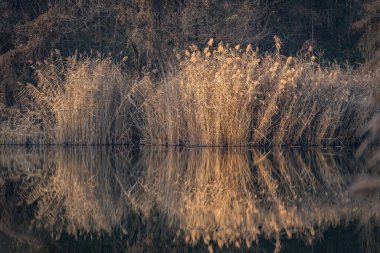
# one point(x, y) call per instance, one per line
point(220, 95)
point(226, 95)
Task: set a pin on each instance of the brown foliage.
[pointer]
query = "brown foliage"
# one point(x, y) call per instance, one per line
point(370, 24)
point(147, 31)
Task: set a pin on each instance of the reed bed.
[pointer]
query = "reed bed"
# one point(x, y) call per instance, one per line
point(78, 100)
point(215, 96)
point(223, 95)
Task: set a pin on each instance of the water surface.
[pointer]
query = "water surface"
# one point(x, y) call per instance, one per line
point(57, 199)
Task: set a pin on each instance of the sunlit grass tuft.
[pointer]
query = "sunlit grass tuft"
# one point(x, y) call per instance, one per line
point(223, 95)
point(79, 100)
point(220, 95)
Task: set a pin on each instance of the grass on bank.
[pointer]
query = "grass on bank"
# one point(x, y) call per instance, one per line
point(223, 95)
point(80, 100)
point(217, 96)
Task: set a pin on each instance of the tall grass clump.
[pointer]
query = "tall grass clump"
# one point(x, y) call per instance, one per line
point(223, 95)
point(78, 100)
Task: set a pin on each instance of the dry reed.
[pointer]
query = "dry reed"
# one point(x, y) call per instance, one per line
point(218, 96)
point(225, 95)
point(80, 100)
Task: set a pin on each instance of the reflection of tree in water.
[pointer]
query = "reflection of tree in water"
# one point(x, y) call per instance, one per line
point(224, 197)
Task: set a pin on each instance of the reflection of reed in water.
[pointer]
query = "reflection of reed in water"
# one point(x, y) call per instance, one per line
point(73, 190)
point(234, 197)
point(214, 196)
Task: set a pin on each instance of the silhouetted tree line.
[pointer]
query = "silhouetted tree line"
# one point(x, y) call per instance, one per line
point(151, 32)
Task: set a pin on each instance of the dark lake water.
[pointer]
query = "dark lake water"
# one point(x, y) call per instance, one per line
point(120, 199)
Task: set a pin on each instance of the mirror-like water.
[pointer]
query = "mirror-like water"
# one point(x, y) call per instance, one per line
point(194, 200)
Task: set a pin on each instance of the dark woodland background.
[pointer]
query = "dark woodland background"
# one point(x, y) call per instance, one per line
point(150, 32)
